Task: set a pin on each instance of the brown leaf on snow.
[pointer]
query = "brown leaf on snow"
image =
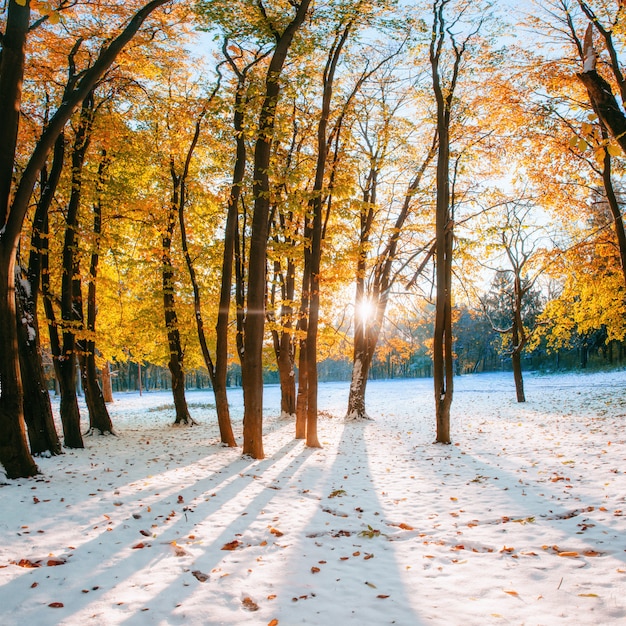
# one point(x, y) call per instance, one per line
point(56, 605)
point(249, 604)
point(201, 576)
point(28, 563)
point(382, 595)
point(53, 562)
point(315, 570)
point(274, 622)
point(139, 545)
point(231, 545)
point(276, 532)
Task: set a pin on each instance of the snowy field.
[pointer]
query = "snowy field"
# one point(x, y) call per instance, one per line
point(521, 521)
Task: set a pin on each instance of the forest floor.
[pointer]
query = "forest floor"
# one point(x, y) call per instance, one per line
point(521, 521)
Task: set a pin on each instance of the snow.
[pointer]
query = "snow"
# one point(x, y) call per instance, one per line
point(521, 521)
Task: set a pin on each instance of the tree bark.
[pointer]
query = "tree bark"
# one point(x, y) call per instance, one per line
point(219, 389)
point(99, 418)
point(175, 362)
point(42, 434)
point(516, 361)
point(252, 361)
point(605, 104)
point(107, 387)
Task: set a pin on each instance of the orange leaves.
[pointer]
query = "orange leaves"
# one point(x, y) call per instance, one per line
point(31, 564)
point(249, 604)
point(231, 545)
point(315, 570)
point(276, 532)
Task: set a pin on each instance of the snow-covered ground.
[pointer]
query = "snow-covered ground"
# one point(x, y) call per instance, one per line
point(521, 521)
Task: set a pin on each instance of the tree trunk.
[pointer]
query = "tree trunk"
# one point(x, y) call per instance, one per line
point(71, 288)
point(516, 360)
point(287, 374)
point(42, 434)
point(175, 362)
point(72, 437)
point(99, 418)
point(107, 387)
point(302, 394)
point(443, 357)
point(14, 453)
point(219, 387)
point(252, 361)
point(605, 104)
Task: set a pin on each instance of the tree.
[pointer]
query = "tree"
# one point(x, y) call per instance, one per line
point(14, 203)
point(442, 34)
point(254, 323)
point(384, 235)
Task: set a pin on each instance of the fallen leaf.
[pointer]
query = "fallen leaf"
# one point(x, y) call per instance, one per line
point(511, 592)
point(588, 595)
point(201, 576)
point(232, 545)
point(382, 595)
point(337, 492)
point(274, 622)
point(56, 605)
point(54, 562)
point(276, 532)
point(139, 545)
point(249, 604)
point(372, 585)
point(591, 553)
point(314, 569)
point(573, 554)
